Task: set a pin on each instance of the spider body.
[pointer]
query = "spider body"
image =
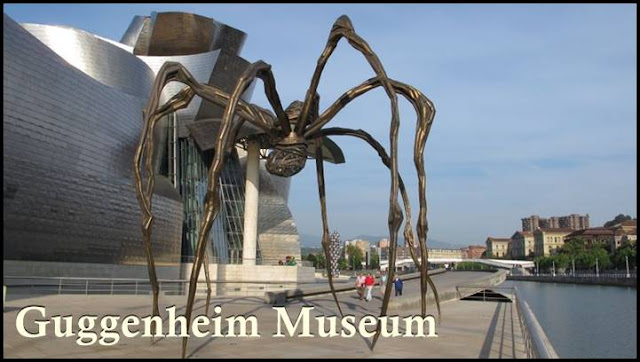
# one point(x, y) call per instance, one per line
point(289, 154)
point(292, 135)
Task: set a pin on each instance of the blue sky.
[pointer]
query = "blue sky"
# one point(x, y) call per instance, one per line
point(536, 105)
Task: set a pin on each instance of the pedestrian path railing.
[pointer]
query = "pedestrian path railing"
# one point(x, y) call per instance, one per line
point(584, 275)
point(536, 342)
point(129, 286)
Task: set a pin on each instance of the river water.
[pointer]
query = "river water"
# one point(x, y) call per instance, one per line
point(585, 321)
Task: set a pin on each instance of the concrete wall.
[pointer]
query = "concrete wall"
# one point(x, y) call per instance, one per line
point(250, 280)
point(445, 294)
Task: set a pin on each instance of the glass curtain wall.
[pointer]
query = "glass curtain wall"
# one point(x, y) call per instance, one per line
point(188, 169)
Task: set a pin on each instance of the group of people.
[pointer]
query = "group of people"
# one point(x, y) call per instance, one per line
point(365, 284)
point(290, 260)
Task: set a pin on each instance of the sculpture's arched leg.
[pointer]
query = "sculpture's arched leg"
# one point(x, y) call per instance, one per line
point(172, 71)
point(425, 111)
point(408, 232)
point(208, 281)
point(343, 28)
point(325, 224)
point(227, 134)
point(146, 145)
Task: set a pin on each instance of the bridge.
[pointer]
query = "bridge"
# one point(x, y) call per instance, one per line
point(499, 263)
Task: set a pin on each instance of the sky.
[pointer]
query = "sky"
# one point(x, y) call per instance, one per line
point(536, 105)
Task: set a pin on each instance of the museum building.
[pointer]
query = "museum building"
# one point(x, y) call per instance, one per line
point(72, 119)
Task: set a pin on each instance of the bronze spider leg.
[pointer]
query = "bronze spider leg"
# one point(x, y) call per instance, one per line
point(226, 135)
point(425, 111)
point(179, 101)
point(408, 231)
point(343, 28)
point(172, 71)
point(325, 225)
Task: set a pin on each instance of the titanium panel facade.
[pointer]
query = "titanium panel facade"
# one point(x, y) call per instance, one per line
point(108, 64)
point(72, 119)
point(68, 148)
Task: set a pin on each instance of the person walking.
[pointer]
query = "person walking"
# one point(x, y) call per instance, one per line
point(369, 282)
point(383, 282)
point(360, 285)
point(397, 283)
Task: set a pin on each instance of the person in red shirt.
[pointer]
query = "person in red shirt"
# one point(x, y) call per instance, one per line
point(369, 281)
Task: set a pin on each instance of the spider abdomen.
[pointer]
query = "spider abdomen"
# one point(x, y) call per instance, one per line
point(287, 160)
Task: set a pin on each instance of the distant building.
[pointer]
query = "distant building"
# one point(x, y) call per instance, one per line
point(383, 243)
point(573, 221)
point(473, 251)
point(522, 245)
point(445, 253)
point(548, 240)
point(612, 236)
point(625, 231)
point(498, 247)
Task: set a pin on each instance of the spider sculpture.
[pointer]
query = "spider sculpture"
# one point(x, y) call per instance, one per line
point(288, 134)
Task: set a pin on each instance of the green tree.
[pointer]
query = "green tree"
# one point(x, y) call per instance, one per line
point(343, 264)
point(355, 257)
point(573, 247)
point(626, 251)
point(310, 257)
point(544, 263)
point(562, 261)
point(321, 262)
point(375, 261)
point(602, 255)
point(616, 220)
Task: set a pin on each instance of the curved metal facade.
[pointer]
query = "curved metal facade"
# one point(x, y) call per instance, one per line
point(68, 149)
point(72, 119)
point(104, 62)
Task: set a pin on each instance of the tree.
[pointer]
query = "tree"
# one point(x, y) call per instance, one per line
point(561, 261)
point(487, 255)
point(375, 261)
point(602, 255)
point(626, 251)
point(311, 257)
point(320, 261)
point(618, 219)
point(355, 257)
point(544, 262)
point(573, 247)
point(342, 264)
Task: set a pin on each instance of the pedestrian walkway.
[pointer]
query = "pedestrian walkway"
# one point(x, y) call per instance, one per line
point(468, 329)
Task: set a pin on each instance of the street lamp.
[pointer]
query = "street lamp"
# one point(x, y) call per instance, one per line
point(573, 264)
point(597, 271)
point(554, 268)
point(626, 259)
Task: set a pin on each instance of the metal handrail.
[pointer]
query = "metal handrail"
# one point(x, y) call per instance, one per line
point(583, 275)
point(111, 286)
point(537, 344)
point(256, 261)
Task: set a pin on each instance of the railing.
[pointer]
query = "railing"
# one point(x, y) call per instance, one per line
point(258, 261)
point(536, 342)
point(585, 275)
point(128, 286)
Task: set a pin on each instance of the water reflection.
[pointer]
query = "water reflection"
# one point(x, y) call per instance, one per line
point(585, 321)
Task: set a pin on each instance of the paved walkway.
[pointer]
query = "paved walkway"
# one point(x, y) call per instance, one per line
point(468, 329)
